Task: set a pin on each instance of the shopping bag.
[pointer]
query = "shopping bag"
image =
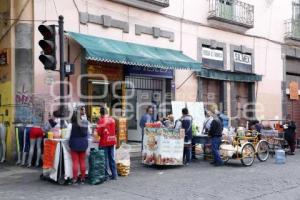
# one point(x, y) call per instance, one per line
point(96, 167)
point(123, 160)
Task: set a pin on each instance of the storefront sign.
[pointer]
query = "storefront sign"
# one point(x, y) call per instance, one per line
point(242, 62)
point(212, 58)
point(294, 94)
point(3, 58)
point(113, 73)
point(148, 71)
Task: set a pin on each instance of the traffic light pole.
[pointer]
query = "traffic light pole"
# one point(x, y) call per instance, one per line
point(61, 66)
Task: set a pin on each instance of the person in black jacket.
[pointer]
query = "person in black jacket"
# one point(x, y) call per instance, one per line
point(78, 144)
point(215, 132)
point(290, 134)
point(186, 124)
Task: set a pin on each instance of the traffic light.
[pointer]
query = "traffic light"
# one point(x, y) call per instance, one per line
point(48, 57)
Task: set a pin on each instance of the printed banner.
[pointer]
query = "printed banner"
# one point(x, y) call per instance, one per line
point(162, 146)
point(294, 93)
point(49, 154)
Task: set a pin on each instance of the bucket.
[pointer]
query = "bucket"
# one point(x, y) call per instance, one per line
point(280, 156)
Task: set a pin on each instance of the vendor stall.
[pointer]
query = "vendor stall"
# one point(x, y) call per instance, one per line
point(163, 146)
point(57, 162)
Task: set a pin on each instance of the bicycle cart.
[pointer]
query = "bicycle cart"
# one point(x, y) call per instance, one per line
point(245, 148)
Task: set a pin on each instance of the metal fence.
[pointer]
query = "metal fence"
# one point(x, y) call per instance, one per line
point(292, 29)
point(232, 11)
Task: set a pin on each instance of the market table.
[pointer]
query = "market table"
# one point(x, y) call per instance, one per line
point(57, 161)
point(203, 140)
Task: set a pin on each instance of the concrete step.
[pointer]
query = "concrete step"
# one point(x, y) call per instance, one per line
point(135, 152)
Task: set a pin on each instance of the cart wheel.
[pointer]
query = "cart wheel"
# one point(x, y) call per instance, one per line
point(248, 154)
point(262, 150)
point(61, 181)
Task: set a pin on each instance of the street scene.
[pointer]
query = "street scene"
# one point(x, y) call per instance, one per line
point(149, 99)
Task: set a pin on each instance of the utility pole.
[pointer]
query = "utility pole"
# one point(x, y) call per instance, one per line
point(61, 67)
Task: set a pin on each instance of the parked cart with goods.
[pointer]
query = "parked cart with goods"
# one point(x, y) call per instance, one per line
point(245, 148)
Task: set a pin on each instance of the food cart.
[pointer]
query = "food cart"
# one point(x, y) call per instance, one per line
point(163, 146)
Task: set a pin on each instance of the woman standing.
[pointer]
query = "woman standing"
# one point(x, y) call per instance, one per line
point(78, 144)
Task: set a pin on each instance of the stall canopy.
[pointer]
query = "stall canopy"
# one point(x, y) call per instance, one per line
point(114, 51)
point(229, 75)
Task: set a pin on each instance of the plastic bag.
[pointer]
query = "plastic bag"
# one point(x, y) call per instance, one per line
point(123, 160)
point(195, 130)
point(96, 167)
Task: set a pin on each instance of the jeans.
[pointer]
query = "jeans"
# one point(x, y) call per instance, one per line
point(78, 157)
point(110, 162)
point(187, 154)
point(215, 145)
point(292, 144)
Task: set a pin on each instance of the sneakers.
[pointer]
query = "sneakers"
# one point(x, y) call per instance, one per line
point(74, 182)
point(219, 164)
point(113, 177)
point(82, 181)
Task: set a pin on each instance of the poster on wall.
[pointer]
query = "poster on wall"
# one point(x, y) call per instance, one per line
point(177, 107)
point(162, 146)
point(294, 90)
point(196, 110)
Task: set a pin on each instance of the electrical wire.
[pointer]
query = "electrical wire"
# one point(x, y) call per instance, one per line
point(55, 7)
point(15, 22)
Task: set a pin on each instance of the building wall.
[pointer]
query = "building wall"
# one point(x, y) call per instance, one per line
point(187, 19)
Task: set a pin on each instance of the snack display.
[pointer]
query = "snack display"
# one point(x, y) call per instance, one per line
point(153, 125)
point(123, 160)
point(123, 169)
point(163, 146)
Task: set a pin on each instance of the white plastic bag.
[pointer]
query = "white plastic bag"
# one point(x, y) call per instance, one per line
point(123, 159)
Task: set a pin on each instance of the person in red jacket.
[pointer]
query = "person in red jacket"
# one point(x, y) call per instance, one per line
point(106, 129)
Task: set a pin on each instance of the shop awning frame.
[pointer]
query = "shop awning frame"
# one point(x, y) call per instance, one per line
point(229, 75)
point(114, 51)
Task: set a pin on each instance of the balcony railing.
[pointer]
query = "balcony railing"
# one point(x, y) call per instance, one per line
point(292, 29)
point(232, 11)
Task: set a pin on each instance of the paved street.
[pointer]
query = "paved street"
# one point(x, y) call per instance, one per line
point(197, 181)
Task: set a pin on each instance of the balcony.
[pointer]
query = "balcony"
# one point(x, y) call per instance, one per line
point(292, 33)
point(231, 14)
point(153, 5)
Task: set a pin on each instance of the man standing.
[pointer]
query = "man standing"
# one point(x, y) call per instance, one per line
point(106, 129)
point(186, 124)
point(146, 118)
point(215, 132)
point(290, 133)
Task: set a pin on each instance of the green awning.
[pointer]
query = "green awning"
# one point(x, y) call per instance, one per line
point(229, 75)
point(114, 51)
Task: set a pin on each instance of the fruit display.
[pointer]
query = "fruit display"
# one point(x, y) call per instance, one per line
point(153, 125)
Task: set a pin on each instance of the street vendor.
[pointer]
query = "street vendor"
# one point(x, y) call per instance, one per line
point(290, 133)
point(215, 132)
point(185, 122)
point(146, 118)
